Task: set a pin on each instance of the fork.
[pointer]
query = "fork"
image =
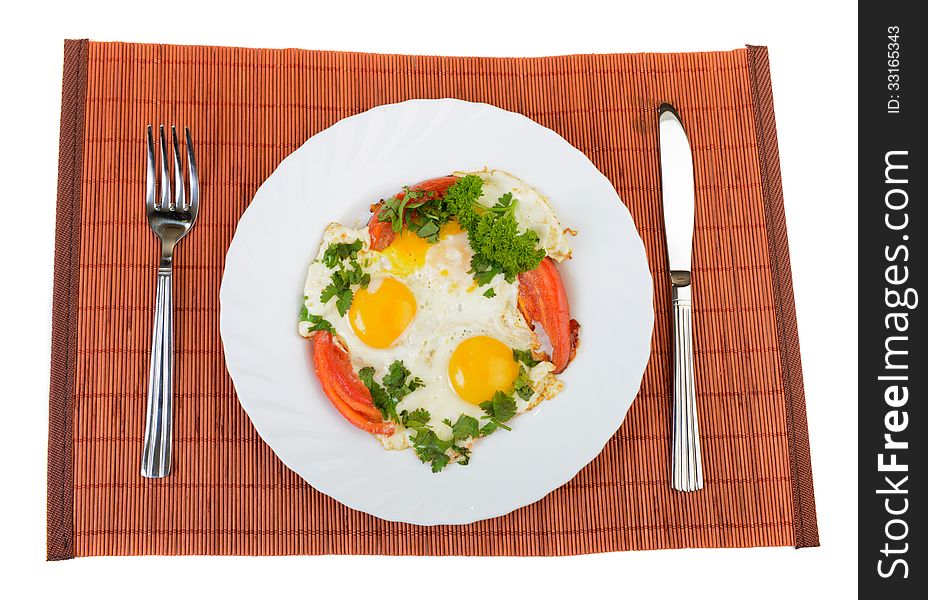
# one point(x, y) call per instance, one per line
point(170, 220)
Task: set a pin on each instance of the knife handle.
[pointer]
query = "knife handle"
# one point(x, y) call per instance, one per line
point(687, 457)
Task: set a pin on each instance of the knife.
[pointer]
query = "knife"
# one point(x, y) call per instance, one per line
point(678, 190)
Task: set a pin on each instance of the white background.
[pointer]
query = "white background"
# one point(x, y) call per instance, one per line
point(813, 55)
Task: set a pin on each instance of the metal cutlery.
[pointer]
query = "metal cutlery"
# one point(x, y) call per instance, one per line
point(679, 196)
point(170, 219)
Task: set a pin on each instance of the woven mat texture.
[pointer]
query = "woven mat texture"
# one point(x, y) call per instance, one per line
point(249, 109)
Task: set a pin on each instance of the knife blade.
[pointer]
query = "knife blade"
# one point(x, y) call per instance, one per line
point(678, 191)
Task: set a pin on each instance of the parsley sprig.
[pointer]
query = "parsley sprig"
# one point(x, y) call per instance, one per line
point(316, 322)
point(499, 247)
point(343, 278)
point(505, 206)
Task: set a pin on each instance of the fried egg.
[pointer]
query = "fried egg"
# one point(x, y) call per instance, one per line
point(423, 308)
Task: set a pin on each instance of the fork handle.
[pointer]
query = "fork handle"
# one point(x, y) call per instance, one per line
point(687, 456)
point(156, 452)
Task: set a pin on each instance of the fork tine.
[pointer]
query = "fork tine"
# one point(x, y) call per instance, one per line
point(165, 177)
point(194, 178)
point(179, 197)
point(150, 175)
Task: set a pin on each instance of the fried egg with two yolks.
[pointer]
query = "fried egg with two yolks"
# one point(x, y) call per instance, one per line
point(423, 308)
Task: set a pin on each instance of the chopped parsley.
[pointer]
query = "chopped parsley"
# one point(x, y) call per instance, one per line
point(525, 357)
point(415, 419)
point(489, 427)
point(523, 385)
point(500, 408)
point(425, 442)
point(397, 384)
point(431, 449)
point(343, 278)
point(395, 211)
point(429, 230)
point(431, 211)
point(316, 322)
point(465, 427)
point(379, 395)
point(399, 381)
point(490, 293)
point(498, 244)
point(339, 252)
point(428, 446)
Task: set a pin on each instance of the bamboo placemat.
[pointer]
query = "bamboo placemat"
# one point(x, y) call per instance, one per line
point(249, 109)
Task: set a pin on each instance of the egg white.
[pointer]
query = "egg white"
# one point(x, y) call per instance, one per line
point(449, 309)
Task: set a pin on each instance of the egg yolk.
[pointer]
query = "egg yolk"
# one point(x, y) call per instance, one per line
point(450, 228)
point(480, 366)
point(379, 316)
point(406, 253)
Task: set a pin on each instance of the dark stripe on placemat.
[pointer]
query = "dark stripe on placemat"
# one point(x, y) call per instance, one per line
point(64, 305)
point(804, 519)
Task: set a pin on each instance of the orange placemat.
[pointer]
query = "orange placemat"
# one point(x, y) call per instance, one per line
point(228, 493)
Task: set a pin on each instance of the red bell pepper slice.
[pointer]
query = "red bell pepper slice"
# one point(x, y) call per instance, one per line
point(542, 298)
point(344, 388)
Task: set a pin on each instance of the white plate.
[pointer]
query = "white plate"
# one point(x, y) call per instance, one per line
point(334, 176)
